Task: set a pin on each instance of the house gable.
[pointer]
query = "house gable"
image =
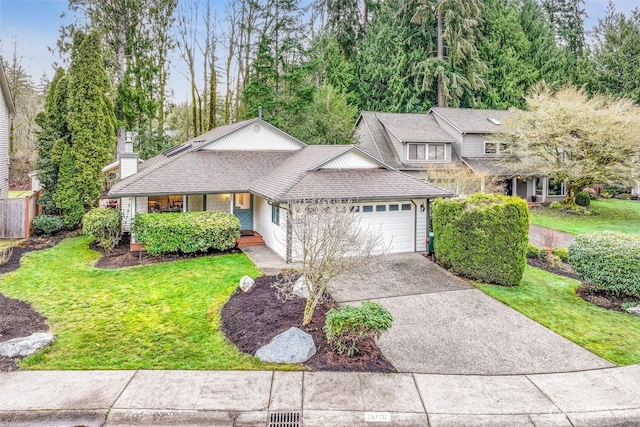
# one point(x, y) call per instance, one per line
point(255, 135)
point(352, 159)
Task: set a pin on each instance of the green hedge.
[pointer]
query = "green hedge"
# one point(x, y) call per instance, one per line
point(583, 199)
point(608, 260)
point(44, 225)
point(186, 232)
point(105, 225)
point(484, 237)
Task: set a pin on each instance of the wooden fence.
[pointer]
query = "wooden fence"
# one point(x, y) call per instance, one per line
point(16, 216)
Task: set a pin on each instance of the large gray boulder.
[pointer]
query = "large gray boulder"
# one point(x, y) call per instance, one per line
point(291, 346)
point(246, 283)
point(24, 346)
point(300, 289)
point(634, 310)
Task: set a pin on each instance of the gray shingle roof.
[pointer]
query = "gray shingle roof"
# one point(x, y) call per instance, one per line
point(384, 148)
point(473, 120)
point(414, 127)
point(202, 172)
point(495, 167)
point(360, 184)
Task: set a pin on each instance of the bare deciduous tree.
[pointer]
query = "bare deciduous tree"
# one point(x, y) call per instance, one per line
point(328, 238)
point(462, 181)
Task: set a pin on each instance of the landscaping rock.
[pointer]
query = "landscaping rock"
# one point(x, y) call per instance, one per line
point(291, 346)
point(24, 346)
point(300, 289)
point(634, 310)
point(246, 283)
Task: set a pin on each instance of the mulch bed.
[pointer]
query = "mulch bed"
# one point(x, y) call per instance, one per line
point(563, 270)
point(121, 256)
point(250, 320)
point(603, 298)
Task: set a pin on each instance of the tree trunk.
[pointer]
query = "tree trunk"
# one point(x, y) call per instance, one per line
point(120, 134)
point(440, 58)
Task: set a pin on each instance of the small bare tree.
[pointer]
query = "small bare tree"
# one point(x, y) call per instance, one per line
point(329, 239)
point(461, 180)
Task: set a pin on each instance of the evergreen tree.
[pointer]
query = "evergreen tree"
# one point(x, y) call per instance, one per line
point(567, 18)
point(67, 197)
point(90, 117)
point(617, 54)
point(456, 68)
point(344, 23)
point(53, 129)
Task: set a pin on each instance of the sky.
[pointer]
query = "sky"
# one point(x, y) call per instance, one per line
point(34, 25)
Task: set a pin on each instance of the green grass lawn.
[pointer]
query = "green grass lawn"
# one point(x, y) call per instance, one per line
point(161, 316)
point(613, 215)
point(551, 301)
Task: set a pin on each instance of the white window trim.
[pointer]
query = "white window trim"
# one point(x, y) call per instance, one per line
point(426, 151)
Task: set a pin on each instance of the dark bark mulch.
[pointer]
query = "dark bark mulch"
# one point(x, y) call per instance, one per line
point(563, 270)
point(250, 320)
point(121, 256)
point(604, 298)
point(17, 319)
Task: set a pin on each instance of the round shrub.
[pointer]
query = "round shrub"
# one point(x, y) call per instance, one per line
point(624, 196)
point(608, 260)
point(186, 232)
point(562, 253)
point(347, 325)
point(532, 251)
point(583, 199)
point(483, 237)
point(44, 225)
point(105, 225)
point(555, 205)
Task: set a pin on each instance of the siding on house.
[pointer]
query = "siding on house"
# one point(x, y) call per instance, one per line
point(274, 236)
point(351, 160)
point(255, 137)
point(4, 147)
point(421, 225)
point(366, 140)
point(473, 146)
point(127, 207)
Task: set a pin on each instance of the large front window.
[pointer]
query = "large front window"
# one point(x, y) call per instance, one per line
point(426, 152)
point(556, 188)
point(165, 203)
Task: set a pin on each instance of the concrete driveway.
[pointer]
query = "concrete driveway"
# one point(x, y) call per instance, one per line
point(442, 325)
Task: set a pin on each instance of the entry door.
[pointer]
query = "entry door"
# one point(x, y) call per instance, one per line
point(243, 209)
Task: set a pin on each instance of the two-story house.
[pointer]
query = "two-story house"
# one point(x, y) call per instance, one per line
point(412, 142)
point(7, 109)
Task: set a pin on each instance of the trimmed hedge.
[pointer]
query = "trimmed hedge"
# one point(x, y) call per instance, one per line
point(105, 225)
point(483, 237)
point(186, 232)
point(44, 225)
point(608, 260)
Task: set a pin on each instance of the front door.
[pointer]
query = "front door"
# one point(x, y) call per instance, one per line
point(243, 209)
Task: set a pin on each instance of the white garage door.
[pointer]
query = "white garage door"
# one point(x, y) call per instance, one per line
point(395, 220)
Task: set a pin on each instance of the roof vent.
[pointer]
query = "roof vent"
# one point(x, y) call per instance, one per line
point(494, 121)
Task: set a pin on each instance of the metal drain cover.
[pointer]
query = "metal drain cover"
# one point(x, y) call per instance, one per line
point(284, 419)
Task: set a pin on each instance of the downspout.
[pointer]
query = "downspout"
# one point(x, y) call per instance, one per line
point(289, 238)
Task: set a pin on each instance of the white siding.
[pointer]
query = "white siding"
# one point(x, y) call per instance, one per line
point(4, 148)
point(352, 160)
point(249, 138)
point(457, 146)
point(274, 236)
point(219, 202)
point(474, 146)
point(142, 205)
point(128, 165)
point(421, 225)
point(127, 209)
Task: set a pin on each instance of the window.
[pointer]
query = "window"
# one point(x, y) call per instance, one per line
point(381, 208)
point(555, 188)
point(367, 208)
point(165, 203)
point(275, 214)
point(490, 148)
point(393, 207)
point(436, 151)
point(406, 207)
point(539, 183)
point(417, 151)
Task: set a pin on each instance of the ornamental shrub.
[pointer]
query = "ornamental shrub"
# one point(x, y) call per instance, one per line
point(532, 251)
point(44, 225)
point(562, 253)
point(555, 205)
point(483, 237)
point(583, 199)
point(608, 260)
point(186, 232)
point(105, 225)
point(348, 325)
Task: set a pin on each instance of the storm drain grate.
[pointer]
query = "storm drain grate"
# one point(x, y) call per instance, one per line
point(284, 419)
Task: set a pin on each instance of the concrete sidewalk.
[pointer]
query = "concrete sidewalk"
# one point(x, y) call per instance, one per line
point(242, 398)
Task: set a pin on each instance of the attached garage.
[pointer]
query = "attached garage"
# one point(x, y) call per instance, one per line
point(396, 222)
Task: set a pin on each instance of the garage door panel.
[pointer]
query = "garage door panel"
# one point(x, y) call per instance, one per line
point(396, 226)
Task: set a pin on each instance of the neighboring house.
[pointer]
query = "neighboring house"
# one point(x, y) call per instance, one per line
point(465, 135)
point(255, 170)
point(7, 109)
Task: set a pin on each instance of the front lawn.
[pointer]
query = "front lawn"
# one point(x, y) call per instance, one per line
point(613, 215)
point(160, 316)
point(551, 301)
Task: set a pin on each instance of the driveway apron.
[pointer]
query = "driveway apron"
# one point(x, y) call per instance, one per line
point(443, 325)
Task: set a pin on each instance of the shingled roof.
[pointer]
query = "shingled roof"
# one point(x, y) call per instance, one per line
point(414, 127)
point(473, 120)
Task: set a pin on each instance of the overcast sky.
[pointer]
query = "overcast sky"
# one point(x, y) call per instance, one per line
point(35, 24)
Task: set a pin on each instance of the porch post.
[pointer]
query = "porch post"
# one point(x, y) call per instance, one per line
point(545, 189)
point(231, 202)
point(184, 203)
point(514, 186)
